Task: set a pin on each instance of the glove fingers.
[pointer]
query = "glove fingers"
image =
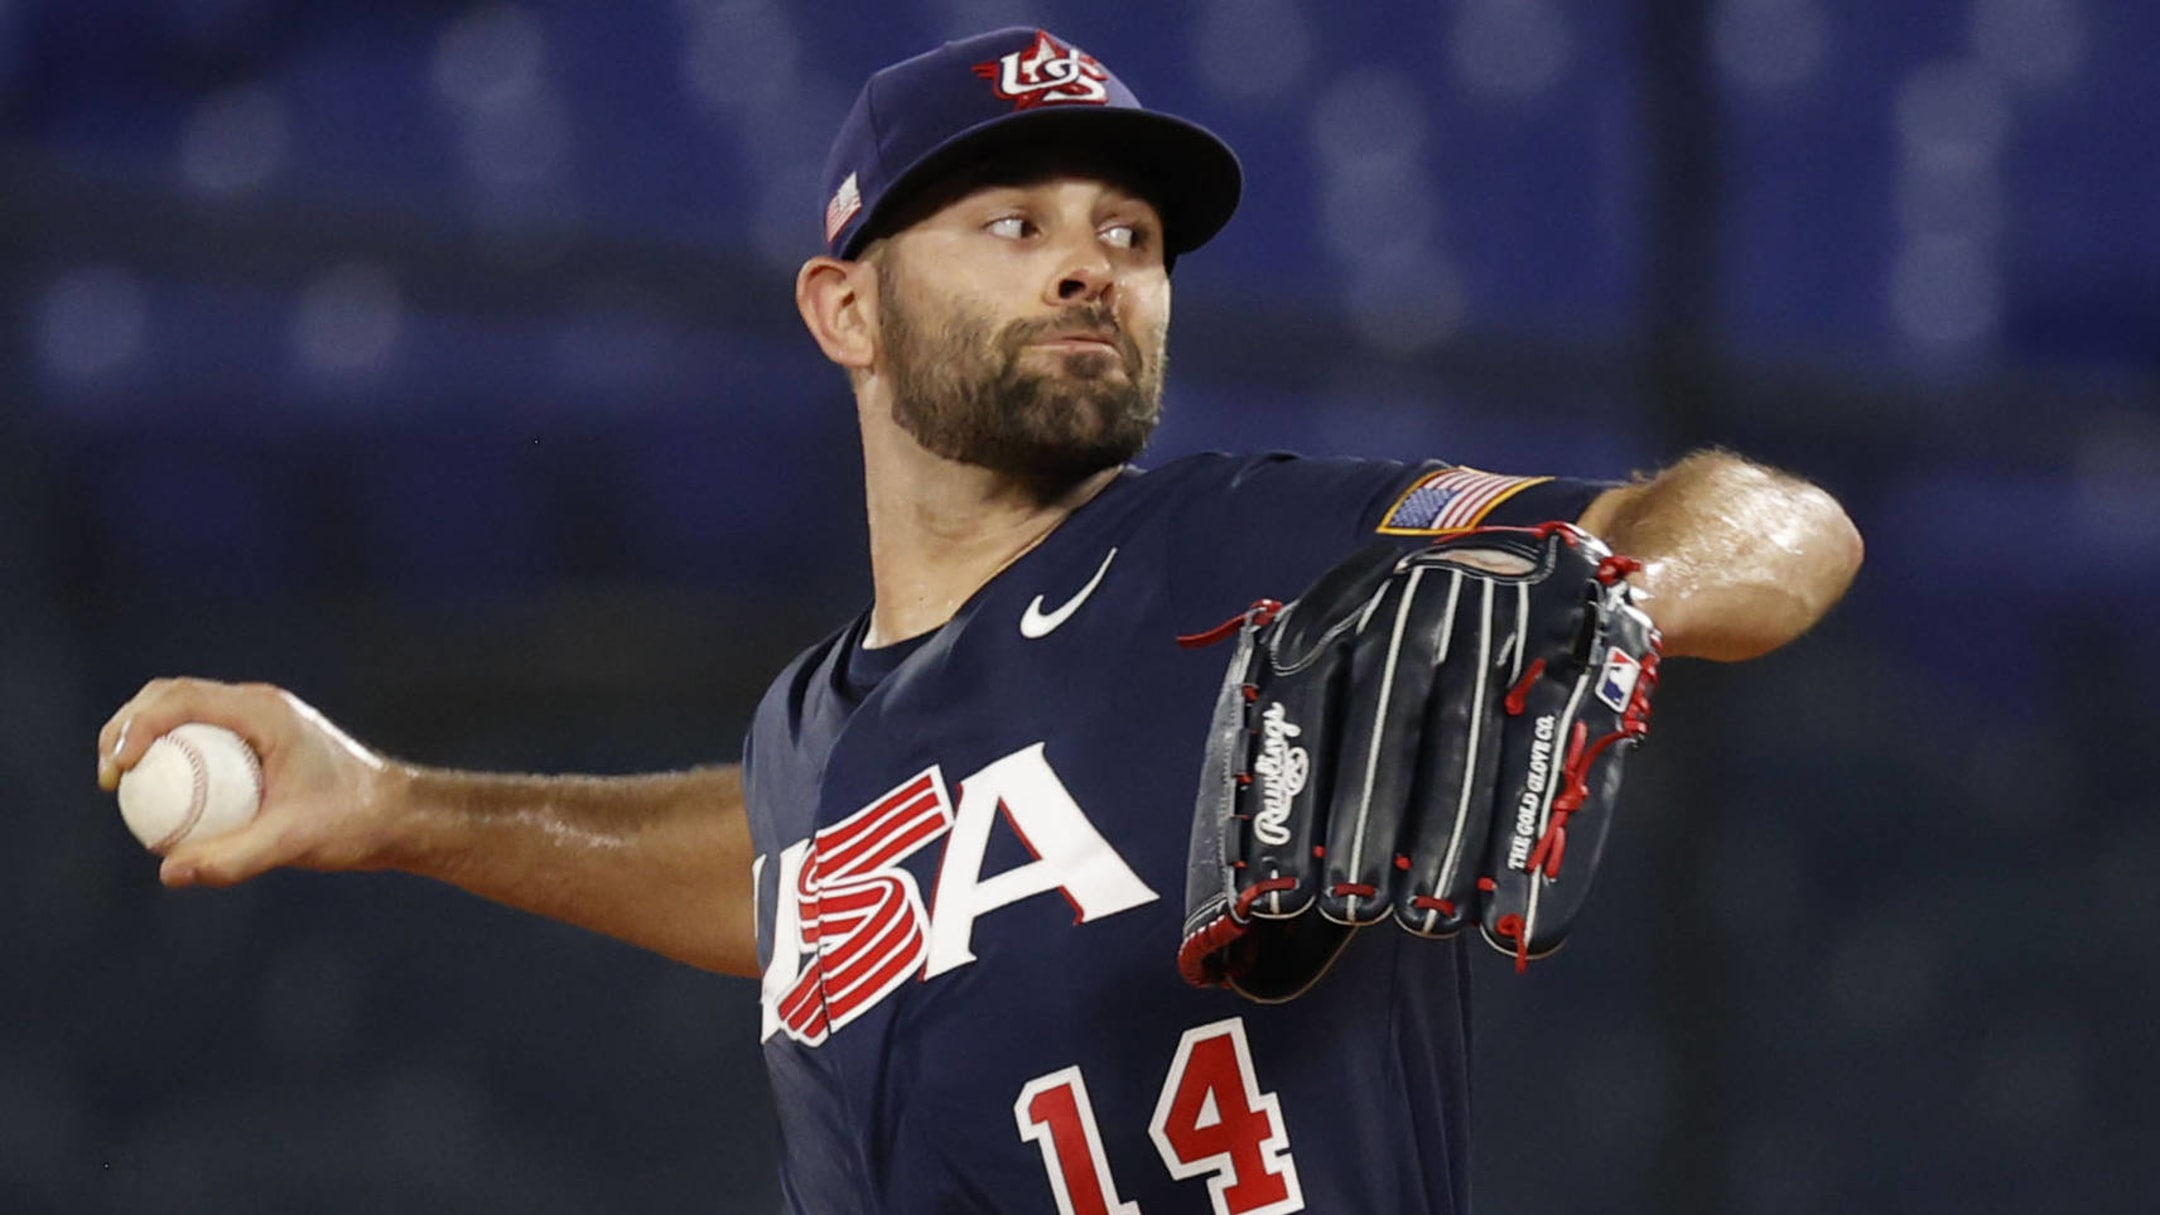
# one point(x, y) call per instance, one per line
point(1517, 917)
point(1390, 678)
point(1287, 784)
point(1597, 712)
point(1459, 764)
point(1301, 678)
point(1258, 820)
point(1561, 768)
point(1435, 737)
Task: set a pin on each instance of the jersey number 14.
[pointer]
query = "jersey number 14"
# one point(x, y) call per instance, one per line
point(1211, 1120)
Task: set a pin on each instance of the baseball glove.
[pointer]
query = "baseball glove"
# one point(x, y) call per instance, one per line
point(1432, 737)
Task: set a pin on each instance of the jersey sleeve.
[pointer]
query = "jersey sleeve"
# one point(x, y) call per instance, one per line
point(1266, 526)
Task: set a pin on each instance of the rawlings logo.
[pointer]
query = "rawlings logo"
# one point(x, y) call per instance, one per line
point(1047, 74)
point(1282, 769)
point(1526, 810)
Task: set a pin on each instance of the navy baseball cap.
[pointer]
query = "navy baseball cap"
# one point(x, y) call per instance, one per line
point(1017, 92)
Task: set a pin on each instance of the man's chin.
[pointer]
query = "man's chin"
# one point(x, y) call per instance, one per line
point(1064, 460)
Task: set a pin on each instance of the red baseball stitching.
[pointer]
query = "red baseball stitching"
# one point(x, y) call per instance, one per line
point(255, 772)
point(199, 798)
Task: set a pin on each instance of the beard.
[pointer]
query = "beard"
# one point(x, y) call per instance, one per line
point(959, 388)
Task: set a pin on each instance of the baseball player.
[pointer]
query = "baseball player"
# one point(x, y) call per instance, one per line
point(1010, 961)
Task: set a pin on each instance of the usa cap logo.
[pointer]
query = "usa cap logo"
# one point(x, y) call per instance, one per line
point(1047, 73)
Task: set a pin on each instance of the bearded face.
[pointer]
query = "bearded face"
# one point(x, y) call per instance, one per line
point(973, 391)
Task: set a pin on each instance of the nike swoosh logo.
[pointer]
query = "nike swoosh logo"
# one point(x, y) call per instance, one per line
point(1035, 623)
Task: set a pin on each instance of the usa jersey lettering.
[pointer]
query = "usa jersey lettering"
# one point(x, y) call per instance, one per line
point(861, 919)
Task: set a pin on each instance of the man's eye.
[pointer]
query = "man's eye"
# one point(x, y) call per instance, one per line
point(1010, 227)
point(1121, 236)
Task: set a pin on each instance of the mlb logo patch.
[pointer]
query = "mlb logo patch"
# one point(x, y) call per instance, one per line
point(1617, 683)
point(1450, 500)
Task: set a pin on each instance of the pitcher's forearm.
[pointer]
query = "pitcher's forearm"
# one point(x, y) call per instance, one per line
point(660, 861)
point(1738, 559)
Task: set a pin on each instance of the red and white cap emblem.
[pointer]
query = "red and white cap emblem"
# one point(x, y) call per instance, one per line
point(1047, 73)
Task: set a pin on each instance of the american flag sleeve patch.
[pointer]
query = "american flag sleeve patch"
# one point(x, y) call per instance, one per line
point(1450, 500)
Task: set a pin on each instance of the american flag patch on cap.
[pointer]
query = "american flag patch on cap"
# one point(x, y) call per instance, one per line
point(846, 201)
point(1450, 500)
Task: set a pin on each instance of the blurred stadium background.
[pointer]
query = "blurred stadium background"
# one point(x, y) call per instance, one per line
point(436, 360)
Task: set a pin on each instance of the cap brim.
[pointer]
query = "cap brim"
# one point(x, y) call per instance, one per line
point(1192, 177)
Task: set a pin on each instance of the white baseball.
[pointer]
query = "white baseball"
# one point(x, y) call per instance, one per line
point(197, 782)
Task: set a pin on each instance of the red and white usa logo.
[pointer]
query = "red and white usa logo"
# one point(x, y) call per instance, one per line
point(851, 926)
point(1047, 73)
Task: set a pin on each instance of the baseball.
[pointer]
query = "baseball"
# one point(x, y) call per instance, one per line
point(197, 782)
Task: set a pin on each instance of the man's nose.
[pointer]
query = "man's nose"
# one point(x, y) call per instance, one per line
point(1085, 275)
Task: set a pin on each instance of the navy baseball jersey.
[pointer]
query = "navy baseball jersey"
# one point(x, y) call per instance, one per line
point(970, 887)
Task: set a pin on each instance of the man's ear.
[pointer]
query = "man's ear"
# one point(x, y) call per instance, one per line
point(838, 303)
